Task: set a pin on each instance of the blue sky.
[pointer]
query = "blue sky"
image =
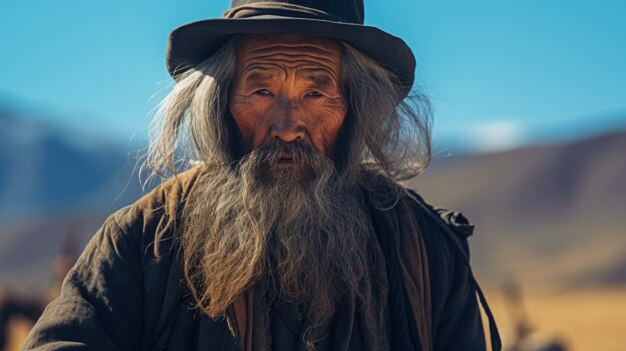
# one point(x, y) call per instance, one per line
point(499, 73)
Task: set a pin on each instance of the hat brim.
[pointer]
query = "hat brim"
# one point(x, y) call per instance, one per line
point(194, 42)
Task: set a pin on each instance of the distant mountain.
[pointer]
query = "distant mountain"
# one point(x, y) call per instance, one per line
point(548, 216)
point(47, 171)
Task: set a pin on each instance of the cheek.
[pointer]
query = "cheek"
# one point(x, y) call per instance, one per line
point(330, 128)
point(242, 119)
point(324, 126)
point(249, 120)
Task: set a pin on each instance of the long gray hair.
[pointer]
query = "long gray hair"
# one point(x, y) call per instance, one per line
point(382, 132)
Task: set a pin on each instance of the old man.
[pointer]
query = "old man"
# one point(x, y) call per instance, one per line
point(289, 231)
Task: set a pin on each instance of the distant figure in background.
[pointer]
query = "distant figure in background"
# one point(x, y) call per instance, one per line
point(18, 313)
point(525, 337)
point(63, 263)
point(291, 231)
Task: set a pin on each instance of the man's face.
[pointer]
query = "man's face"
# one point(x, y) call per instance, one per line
point(287, 89)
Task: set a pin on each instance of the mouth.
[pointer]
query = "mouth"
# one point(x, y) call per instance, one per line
point(286, 157)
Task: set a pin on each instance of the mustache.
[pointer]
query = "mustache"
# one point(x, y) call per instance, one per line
point(276, 162)
point(275, 151)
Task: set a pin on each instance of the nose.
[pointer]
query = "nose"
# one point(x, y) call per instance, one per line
point(287, 124)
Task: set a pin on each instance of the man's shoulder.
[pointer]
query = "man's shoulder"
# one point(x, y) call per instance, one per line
point(171, 193)
point(448, 219)
point(411, 209)
point(158, 207)
point(450, 228)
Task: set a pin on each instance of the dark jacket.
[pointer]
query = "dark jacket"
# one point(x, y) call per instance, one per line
point(126, 291)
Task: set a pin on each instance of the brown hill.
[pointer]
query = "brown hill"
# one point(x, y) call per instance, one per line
point(548, 216)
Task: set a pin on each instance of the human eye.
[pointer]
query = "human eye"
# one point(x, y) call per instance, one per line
point(263, 92)
point(314, 94)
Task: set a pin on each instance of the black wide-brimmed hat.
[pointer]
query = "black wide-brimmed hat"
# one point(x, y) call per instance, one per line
point(192, 43)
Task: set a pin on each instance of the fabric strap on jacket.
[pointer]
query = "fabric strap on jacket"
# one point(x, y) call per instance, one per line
point(496, 342)
point(408, 275)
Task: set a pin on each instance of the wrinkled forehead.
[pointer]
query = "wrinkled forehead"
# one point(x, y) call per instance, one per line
point(289, 50)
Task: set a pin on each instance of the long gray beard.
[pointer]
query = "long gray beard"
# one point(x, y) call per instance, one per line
point(300, 221)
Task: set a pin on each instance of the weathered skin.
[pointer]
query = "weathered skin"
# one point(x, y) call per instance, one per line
point(288, 88)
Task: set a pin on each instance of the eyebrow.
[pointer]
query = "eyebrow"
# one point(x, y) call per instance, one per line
point(320, 78)
point(256, 76)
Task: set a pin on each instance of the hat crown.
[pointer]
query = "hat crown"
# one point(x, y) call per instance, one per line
point(348, 10)
point(192, 43)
